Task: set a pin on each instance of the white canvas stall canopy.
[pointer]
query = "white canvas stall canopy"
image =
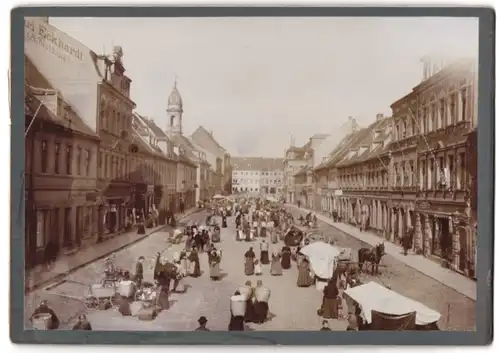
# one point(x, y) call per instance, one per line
point(271, 199)
point(218, 197)
point(322, 257)
point(373, 296)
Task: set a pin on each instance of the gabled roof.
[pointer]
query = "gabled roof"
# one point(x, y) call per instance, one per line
point(342, 148)
point(159, 133)
point(368, 140)
point(320, 136)
point(34, 80)
point(141, 144)
point(189, 148)
point(256, 163)
point(207, 140)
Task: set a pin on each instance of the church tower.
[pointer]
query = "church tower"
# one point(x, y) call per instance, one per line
point(174, 112)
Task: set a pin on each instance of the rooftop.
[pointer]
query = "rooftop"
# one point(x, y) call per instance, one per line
point(256, 163)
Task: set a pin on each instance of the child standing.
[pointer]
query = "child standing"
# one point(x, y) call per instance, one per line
point(258, 268)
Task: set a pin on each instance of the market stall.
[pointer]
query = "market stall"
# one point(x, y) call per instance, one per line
point(323, 260)
point(382, 308)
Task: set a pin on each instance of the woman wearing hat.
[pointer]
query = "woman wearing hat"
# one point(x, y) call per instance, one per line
point(43, 308)
point(82, 324)
point(203, 324)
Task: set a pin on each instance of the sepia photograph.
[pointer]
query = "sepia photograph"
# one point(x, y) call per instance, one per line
point(250, 173)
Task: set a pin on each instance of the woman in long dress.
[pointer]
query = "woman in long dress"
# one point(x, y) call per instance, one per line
point(264, 252)
point(261, 308)
point(249, 262)
point(236, 323)
point(274, 235)
point(330, 307)
point(183, 264)
point(195, 263)
point(250, 311)
point(304, 276)
point(214, 265)
point(286, 256)
point(276, 269)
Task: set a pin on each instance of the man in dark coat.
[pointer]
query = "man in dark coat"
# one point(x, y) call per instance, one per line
point(203, 324)
point(139, 271)
point(407, 241)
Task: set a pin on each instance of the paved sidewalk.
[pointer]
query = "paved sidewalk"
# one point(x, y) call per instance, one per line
point(428, 267)
point(40, 276)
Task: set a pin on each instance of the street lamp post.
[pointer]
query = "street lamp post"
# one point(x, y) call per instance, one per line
point(455, 241)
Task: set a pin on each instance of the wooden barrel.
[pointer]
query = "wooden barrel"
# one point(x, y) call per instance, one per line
point(238, 305)
point(262, 294)
point(42, 321)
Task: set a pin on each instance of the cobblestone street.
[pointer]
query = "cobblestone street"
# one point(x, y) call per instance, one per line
point(292, 308)
point(458, 312)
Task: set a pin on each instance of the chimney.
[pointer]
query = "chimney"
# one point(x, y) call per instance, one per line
point(354, 125)
point(380, 116)
point(211, 133)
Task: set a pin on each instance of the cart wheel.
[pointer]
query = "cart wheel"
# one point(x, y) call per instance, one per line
point(114, 300)
point(91, 302)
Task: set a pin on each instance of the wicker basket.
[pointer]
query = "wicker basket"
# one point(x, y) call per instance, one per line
point(262, 294)
point(238, 305)
point(42, 321)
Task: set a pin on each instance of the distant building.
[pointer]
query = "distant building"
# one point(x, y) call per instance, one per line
point(200, 190)
point(257, 175)
point(207, 141)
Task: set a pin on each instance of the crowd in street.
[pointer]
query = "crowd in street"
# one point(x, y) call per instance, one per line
point(260, 223)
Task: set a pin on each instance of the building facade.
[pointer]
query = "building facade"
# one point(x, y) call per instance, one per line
point(363, 175)
point(188, 147)
point(293, 162)
point(167, 161)
point(207, 141)
point(60, 173)
point(257, 175)
point(116, 160)
point(413, 173)
point(447, 109)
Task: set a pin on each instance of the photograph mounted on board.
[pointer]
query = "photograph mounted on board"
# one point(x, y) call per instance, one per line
point(250, 173)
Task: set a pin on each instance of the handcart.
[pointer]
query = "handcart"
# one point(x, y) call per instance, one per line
point(101, 296)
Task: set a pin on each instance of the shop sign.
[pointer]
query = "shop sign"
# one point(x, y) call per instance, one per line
point(39, 33)
point(424, 205)
point(338, 192)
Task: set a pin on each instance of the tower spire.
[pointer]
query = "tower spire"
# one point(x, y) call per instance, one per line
point(175, 81)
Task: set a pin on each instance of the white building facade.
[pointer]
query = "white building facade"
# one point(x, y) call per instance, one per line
point(257, 175)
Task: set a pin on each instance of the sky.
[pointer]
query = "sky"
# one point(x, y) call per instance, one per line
point(257, 82)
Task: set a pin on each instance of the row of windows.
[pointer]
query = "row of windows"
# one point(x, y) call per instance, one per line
point(254, 189)
point(114, 166)
point(251, 181)
point(443, 173)
point(114, 121)
point(257, 173)
point(437, 115)
point(82, 226)
point(66, 159)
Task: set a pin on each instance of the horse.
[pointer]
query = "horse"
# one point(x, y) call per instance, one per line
point(373, 256)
